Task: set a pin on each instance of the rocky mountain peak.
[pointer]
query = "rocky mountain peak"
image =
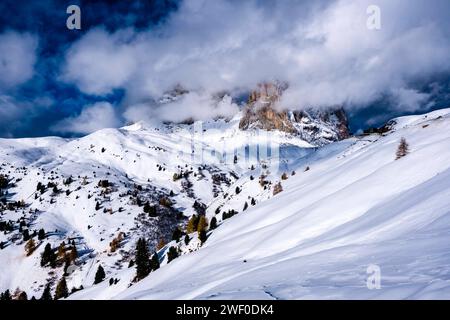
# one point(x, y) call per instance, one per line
point(317, 127)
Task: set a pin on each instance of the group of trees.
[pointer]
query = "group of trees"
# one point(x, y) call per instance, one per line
point(199, 224)
point(228, 214)
point(60, 292)
point(144, 264)
point(68, 256)
point(48, 256)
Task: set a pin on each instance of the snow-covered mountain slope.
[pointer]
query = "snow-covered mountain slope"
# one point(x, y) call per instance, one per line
point(356, 206)
point(342, 207)
point(138, 181)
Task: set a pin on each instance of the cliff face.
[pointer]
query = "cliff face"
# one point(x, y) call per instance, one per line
point(318, 127)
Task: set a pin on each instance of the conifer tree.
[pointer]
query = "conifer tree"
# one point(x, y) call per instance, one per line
point(46, 294)
point(61, 289)
point(186, 239)
point(192, 224)
point(154, 263)
point(245, 206)
point(142, 259)
point(402, 149)
point(26, 235)
point(73, 254)
point(277, 188)
point(213, 223)
point(99, 275)
point(48, 256)
point(62, 250)
point(6, 296)
point(22, 296)
point(67, 262)
point(30, 247)
point(172, 254)
point(202, 236)
point(41, 234)
point(202, 224)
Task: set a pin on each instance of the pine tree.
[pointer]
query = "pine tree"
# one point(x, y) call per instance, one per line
point(46, 294)
point(192, 224)
point(186, 239)
point(73, 254)
point(172, 254)
point(142, 259)
point(402, 149)
point(67, 262)
point(245, 206)
point(154, 263)
point(62, 250)
point(213, 223)
point(97, 206)
point(30, 247)
point(26, 235)
point(41, 234)
point(277, 188)
point(202, 224)
point(48, 256)
point(99, 275)
point(202, 236)
point(61, 289)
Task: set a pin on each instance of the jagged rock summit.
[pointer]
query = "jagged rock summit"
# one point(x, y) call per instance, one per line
point(318, 127)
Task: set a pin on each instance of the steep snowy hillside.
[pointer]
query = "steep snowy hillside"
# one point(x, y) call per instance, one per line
point(289, 221)
point(93, 197)
point(356, 206)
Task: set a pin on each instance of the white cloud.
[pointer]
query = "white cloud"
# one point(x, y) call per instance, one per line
point(322, 48)
point(17, 58)
point(99, 63)
point(410, 100)
point(194, 105)
point(92, 118)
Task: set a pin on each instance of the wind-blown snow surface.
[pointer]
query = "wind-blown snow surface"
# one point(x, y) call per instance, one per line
point(356, 206)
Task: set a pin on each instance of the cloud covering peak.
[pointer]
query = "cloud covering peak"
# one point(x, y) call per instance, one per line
point(323, 49)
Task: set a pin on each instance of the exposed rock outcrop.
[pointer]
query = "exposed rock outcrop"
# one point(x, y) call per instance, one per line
point(318, 127)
